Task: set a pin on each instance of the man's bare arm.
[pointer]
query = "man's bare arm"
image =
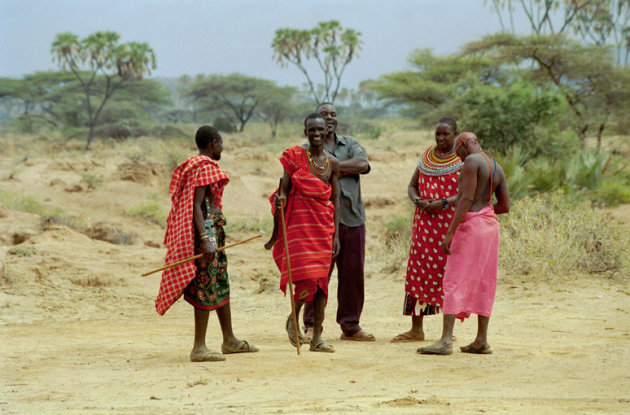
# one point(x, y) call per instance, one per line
point(503, 196)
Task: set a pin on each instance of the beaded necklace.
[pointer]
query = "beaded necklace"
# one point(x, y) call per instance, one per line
point(434, 164)
point(316, 167)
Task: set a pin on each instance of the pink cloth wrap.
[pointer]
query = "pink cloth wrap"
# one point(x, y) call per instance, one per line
point(470, 278)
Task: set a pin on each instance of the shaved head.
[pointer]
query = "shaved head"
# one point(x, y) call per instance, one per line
point(464, 138)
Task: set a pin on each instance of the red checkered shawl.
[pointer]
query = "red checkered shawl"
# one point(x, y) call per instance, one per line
point(179, 239)
point(309, 218)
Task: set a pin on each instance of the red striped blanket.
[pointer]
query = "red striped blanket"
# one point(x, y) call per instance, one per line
point(309, 218)
point(179, 240)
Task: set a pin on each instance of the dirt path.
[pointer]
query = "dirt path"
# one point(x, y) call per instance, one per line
point(570, 355)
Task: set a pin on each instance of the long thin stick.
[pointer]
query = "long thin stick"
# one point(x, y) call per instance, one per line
point(290, 282)
point(192, 258)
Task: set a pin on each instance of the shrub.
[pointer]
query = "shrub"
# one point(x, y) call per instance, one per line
point(548, 236)
point(520, 113)
point(224, 124)
point(23, 250)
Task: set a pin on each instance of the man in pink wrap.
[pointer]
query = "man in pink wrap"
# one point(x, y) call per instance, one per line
point(472, 246)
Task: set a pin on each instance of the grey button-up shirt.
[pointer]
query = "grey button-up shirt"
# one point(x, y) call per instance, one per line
point(351, 210)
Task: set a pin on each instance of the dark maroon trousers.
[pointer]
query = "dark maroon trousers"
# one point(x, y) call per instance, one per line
point(350, 290)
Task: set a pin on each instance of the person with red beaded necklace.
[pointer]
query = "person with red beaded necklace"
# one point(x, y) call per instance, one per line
point(472, 245)
point(433, 190)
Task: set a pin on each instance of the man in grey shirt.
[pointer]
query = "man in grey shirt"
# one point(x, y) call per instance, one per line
point(351, 259)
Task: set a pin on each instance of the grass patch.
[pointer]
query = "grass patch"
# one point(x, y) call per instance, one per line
point(548, 235)
point(150, 211)
point(48, 216)
point(200, 381)
point(94, 181)
point(250, 224)
point(23, 250)
point(395, 244)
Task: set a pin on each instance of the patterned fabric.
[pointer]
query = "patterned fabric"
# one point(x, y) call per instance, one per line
point(210, 289)
point(179, 239)
point(433, 164)
point(309, 217)
point(470, 279)
point(425, 267)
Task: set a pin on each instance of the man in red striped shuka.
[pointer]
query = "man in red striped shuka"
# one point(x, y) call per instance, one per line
point(309, 193)
point(195, 226)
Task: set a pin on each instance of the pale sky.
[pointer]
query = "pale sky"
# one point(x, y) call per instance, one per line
point(225, 36)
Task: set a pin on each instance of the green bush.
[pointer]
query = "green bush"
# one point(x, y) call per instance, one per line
point(520, 113)
point(224, 124)
point(611, 193)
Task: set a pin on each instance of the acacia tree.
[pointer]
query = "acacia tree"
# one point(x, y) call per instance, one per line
point(599, 22)
point(98, 57)
point(433, 81)
point(332, 48)
point(277, 106)
point(592, 86)
point(36, 97)
point(235, 96)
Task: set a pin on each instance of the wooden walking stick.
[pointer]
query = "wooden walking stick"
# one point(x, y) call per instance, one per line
point(192, 258)
point(290, 282)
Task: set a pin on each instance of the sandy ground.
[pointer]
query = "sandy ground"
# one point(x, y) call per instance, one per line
point(79, 334)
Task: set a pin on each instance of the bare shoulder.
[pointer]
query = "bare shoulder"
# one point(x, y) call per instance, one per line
point(473, 161)
point(334, 162)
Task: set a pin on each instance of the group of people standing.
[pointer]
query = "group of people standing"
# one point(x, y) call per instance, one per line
point(319, 197)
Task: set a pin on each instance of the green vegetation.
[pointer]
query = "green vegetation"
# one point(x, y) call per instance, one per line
point(332, 47)
point(150, 210)
point(250, 224)
point(23, 250)
point(47, 216)
point(101, 66)
point(94, 181)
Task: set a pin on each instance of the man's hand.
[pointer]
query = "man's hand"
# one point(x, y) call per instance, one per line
point(208, 249)
point(279, 201)
point(446, 244)
point(336, 246)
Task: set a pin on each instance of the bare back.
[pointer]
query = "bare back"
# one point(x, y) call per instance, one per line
point(490, 178)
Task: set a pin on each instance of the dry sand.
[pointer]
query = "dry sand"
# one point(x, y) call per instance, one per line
point(79, 333)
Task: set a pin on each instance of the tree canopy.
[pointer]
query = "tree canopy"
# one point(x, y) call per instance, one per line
point(328, 44)
point(100, 55)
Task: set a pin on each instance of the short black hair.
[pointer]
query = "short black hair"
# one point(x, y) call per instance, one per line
point(323, 103)
point(450, 122)
point(313, 116)
point(205, 135)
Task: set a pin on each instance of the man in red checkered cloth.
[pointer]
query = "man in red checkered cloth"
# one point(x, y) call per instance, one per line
point(195, 226)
